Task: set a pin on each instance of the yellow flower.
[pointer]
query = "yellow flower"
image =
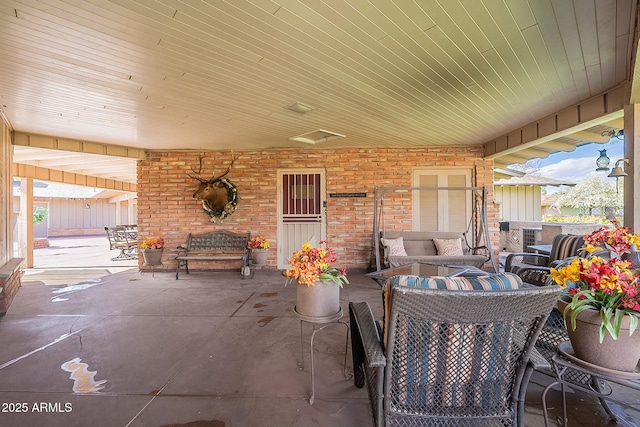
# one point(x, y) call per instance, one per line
point(309, 265)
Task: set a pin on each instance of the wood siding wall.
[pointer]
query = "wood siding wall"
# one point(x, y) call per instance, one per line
point(519, 203)
point(71, 213)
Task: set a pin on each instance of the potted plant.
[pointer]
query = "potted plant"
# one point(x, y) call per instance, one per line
point(151, 249)
point(602, 302)
point(318, 282)
point(617, 239)
point(259, 247)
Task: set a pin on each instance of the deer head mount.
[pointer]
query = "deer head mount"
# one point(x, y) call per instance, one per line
point(218, 195)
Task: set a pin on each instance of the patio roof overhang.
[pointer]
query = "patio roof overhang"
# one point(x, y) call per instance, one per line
point(532, 180)
point(523, 79)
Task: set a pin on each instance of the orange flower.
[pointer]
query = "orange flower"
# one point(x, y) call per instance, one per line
point(310, 264)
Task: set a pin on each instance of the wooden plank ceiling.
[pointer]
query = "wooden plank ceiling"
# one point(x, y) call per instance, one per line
point(170, 74)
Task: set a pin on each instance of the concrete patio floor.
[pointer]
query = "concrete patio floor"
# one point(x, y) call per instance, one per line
point(149, 350)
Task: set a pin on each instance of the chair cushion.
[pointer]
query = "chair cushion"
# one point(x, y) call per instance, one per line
point(565, 246)
point(451, 247)
point(489, 282)
point(467, 283)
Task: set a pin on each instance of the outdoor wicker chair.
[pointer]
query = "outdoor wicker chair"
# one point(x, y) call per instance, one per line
point(452, 358)
point(534, 268)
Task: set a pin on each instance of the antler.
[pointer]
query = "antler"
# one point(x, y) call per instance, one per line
point(233, 159)
point(198, 172)
point(213, 178)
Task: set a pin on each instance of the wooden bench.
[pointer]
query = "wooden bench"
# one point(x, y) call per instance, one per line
point(125, 238)
point(214, 246)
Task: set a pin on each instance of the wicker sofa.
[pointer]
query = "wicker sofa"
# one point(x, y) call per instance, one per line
point(421, 247)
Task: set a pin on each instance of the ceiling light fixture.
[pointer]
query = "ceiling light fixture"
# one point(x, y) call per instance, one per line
point(316, 136)
point(603, 161)
point(617, 170)
point(613, 133)
point(299, 108)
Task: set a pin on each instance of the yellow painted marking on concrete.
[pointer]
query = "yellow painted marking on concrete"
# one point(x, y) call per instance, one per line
point(82, 377)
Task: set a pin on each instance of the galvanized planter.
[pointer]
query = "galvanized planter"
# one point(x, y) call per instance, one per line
point(259, 257)
point(152, 256)
point(319, 301)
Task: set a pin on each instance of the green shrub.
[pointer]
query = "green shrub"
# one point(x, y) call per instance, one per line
point(39, 214)
point(580, 219)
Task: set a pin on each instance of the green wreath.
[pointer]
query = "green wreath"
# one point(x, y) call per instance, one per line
point(232, 201)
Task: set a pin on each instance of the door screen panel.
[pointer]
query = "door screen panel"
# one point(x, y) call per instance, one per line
point(301, 211)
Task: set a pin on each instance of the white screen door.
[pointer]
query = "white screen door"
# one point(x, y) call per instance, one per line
point(442, 210)
point(301, 210)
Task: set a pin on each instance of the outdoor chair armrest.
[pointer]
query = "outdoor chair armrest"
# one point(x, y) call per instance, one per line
point(525, 259)
point(366, 327)
point(534, 275)
point(538, 362)
point(561, 262)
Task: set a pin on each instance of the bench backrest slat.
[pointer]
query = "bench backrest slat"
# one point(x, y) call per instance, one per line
point(120, 235)
point(218, 241)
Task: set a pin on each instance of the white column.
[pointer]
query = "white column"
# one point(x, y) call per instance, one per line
point(119, 214)
point(26, 220)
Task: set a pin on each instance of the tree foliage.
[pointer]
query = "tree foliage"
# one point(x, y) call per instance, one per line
point(39, 214)
point(594, 192)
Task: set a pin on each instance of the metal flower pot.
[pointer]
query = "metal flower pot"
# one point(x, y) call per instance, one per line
point(259, 256)
point(152, 256)
point(319, 301)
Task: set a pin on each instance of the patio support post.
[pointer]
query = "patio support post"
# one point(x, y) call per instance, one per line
point(26, 219)
point(6, 192)
point(631, 193)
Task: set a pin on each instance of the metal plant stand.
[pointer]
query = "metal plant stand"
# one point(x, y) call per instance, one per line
point(152, 258)
point(598, 387)
point(320, 323)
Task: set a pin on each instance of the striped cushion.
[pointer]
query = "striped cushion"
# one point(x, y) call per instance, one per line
point(565, 246)
point(490, 282)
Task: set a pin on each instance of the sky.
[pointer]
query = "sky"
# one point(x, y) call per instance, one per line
point(576, 165)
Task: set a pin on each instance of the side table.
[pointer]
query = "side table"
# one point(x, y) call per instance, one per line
point(320, 323)
point(564, 360)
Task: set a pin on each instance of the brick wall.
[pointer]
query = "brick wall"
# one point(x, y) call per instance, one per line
point(9, 283)
point(41, 243)
point(166, 207)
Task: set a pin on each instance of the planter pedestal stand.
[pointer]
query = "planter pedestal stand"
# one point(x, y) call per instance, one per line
point(324, 322)
point(565, 360)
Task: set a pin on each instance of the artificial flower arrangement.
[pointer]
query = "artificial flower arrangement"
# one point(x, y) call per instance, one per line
point(152, 243)
point(258, 242)
point(616, 239)
point(610, 286)
point(310, 264)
